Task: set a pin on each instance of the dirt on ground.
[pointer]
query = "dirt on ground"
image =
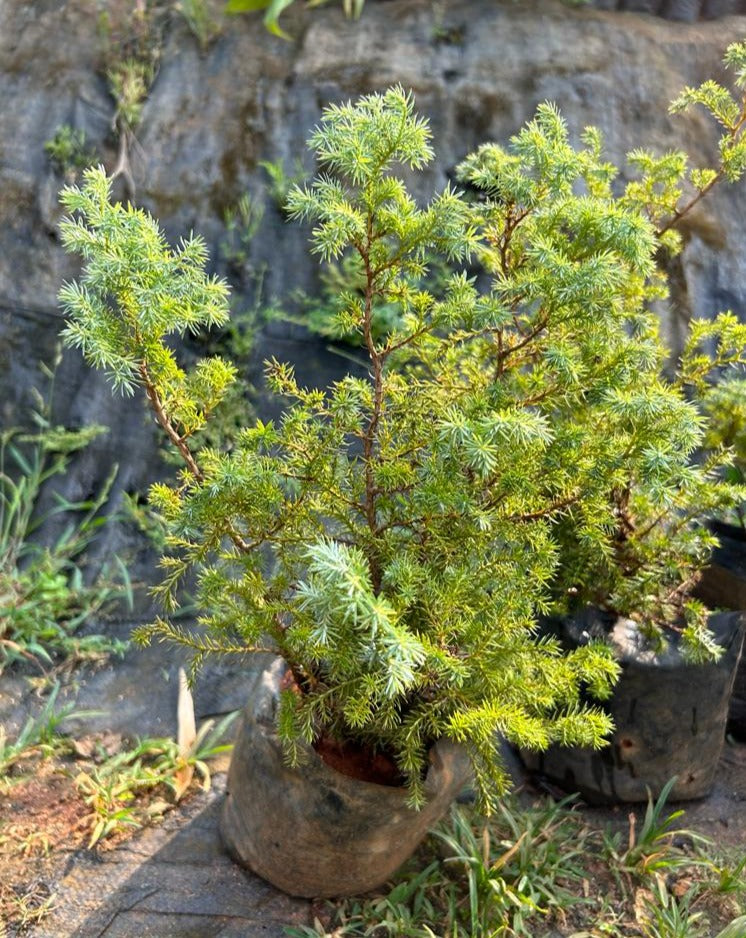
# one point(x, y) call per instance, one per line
point(46, 825)
point(42, 824)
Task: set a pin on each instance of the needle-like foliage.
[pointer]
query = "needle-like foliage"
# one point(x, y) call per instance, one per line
point(576, 341)
point(395, 537)
point(387, 536)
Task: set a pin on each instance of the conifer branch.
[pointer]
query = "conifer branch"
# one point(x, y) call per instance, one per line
point(730, 141)
point(370, 435)
point(680, 213)
point(156, 403)
point(160, 414)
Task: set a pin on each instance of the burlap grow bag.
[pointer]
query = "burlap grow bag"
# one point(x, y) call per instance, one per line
point(311, 831)
point(670, 718)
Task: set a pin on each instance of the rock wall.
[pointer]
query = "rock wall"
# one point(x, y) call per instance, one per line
point(478, 69)
point(684, 11)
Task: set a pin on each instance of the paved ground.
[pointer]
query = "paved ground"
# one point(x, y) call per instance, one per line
point(174, 880)
point(168, 881)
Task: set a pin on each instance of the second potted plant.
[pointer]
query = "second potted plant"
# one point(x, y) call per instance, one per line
point(632, 538)
point(723, 583)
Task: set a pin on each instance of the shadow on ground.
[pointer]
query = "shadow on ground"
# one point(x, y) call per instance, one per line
point(169, 881)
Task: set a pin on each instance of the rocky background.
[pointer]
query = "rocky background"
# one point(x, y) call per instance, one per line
point(213, 112)
point(683, 11)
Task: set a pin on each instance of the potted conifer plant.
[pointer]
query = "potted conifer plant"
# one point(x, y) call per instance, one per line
point(387, 538)
point(393, 539)
point(632, 540)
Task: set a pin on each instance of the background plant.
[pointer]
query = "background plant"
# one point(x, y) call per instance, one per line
point(393, 561)
point(45, 598)
point(115, 790)
point(274, 8)
point(242, 223)
point(281, 182)
point(69, 151)
point(723, 406)
point(131, 39)
point(559, 244)
point(352, 10)
point(200, 20)
point(341, 284)
point(651, 848)
point(536, 868)
point(39, 737)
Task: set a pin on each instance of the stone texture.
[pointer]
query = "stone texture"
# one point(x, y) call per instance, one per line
point(136, 695)
point(478, 68)
point(686, 11)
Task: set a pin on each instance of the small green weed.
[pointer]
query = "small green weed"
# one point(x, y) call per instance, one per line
point(668, 917)
point(114, 790)
point(24, 906)
point(652, 848)
point(39, 737)
point(281, 181)
point(728, 874)
point(200, 20)
point(129, 81)
point(519, 867)
point(69, 152)
point(242, 223)
point(539, 870)
point(44, 598)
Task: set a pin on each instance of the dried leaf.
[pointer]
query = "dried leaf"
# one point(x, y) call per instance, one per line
point(643, 899)
point(186, 734)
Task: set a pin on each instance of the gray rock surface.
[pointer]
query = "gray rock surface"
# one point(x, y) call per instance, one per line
point(685, 11)
point(135, 695)
point(478, 69)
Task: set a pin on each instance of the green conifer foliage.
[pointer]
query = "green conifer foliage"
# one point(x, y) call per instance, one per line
point(391, 537)
point(574, 275)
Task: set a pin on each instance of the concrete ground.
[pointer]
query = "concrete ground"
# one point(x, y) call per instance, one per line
point(176, 881)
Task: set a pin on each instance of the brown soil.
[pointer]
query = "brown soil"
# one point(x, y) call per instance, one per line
point(46, 802)
point(42, 822)
point(360, 762)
